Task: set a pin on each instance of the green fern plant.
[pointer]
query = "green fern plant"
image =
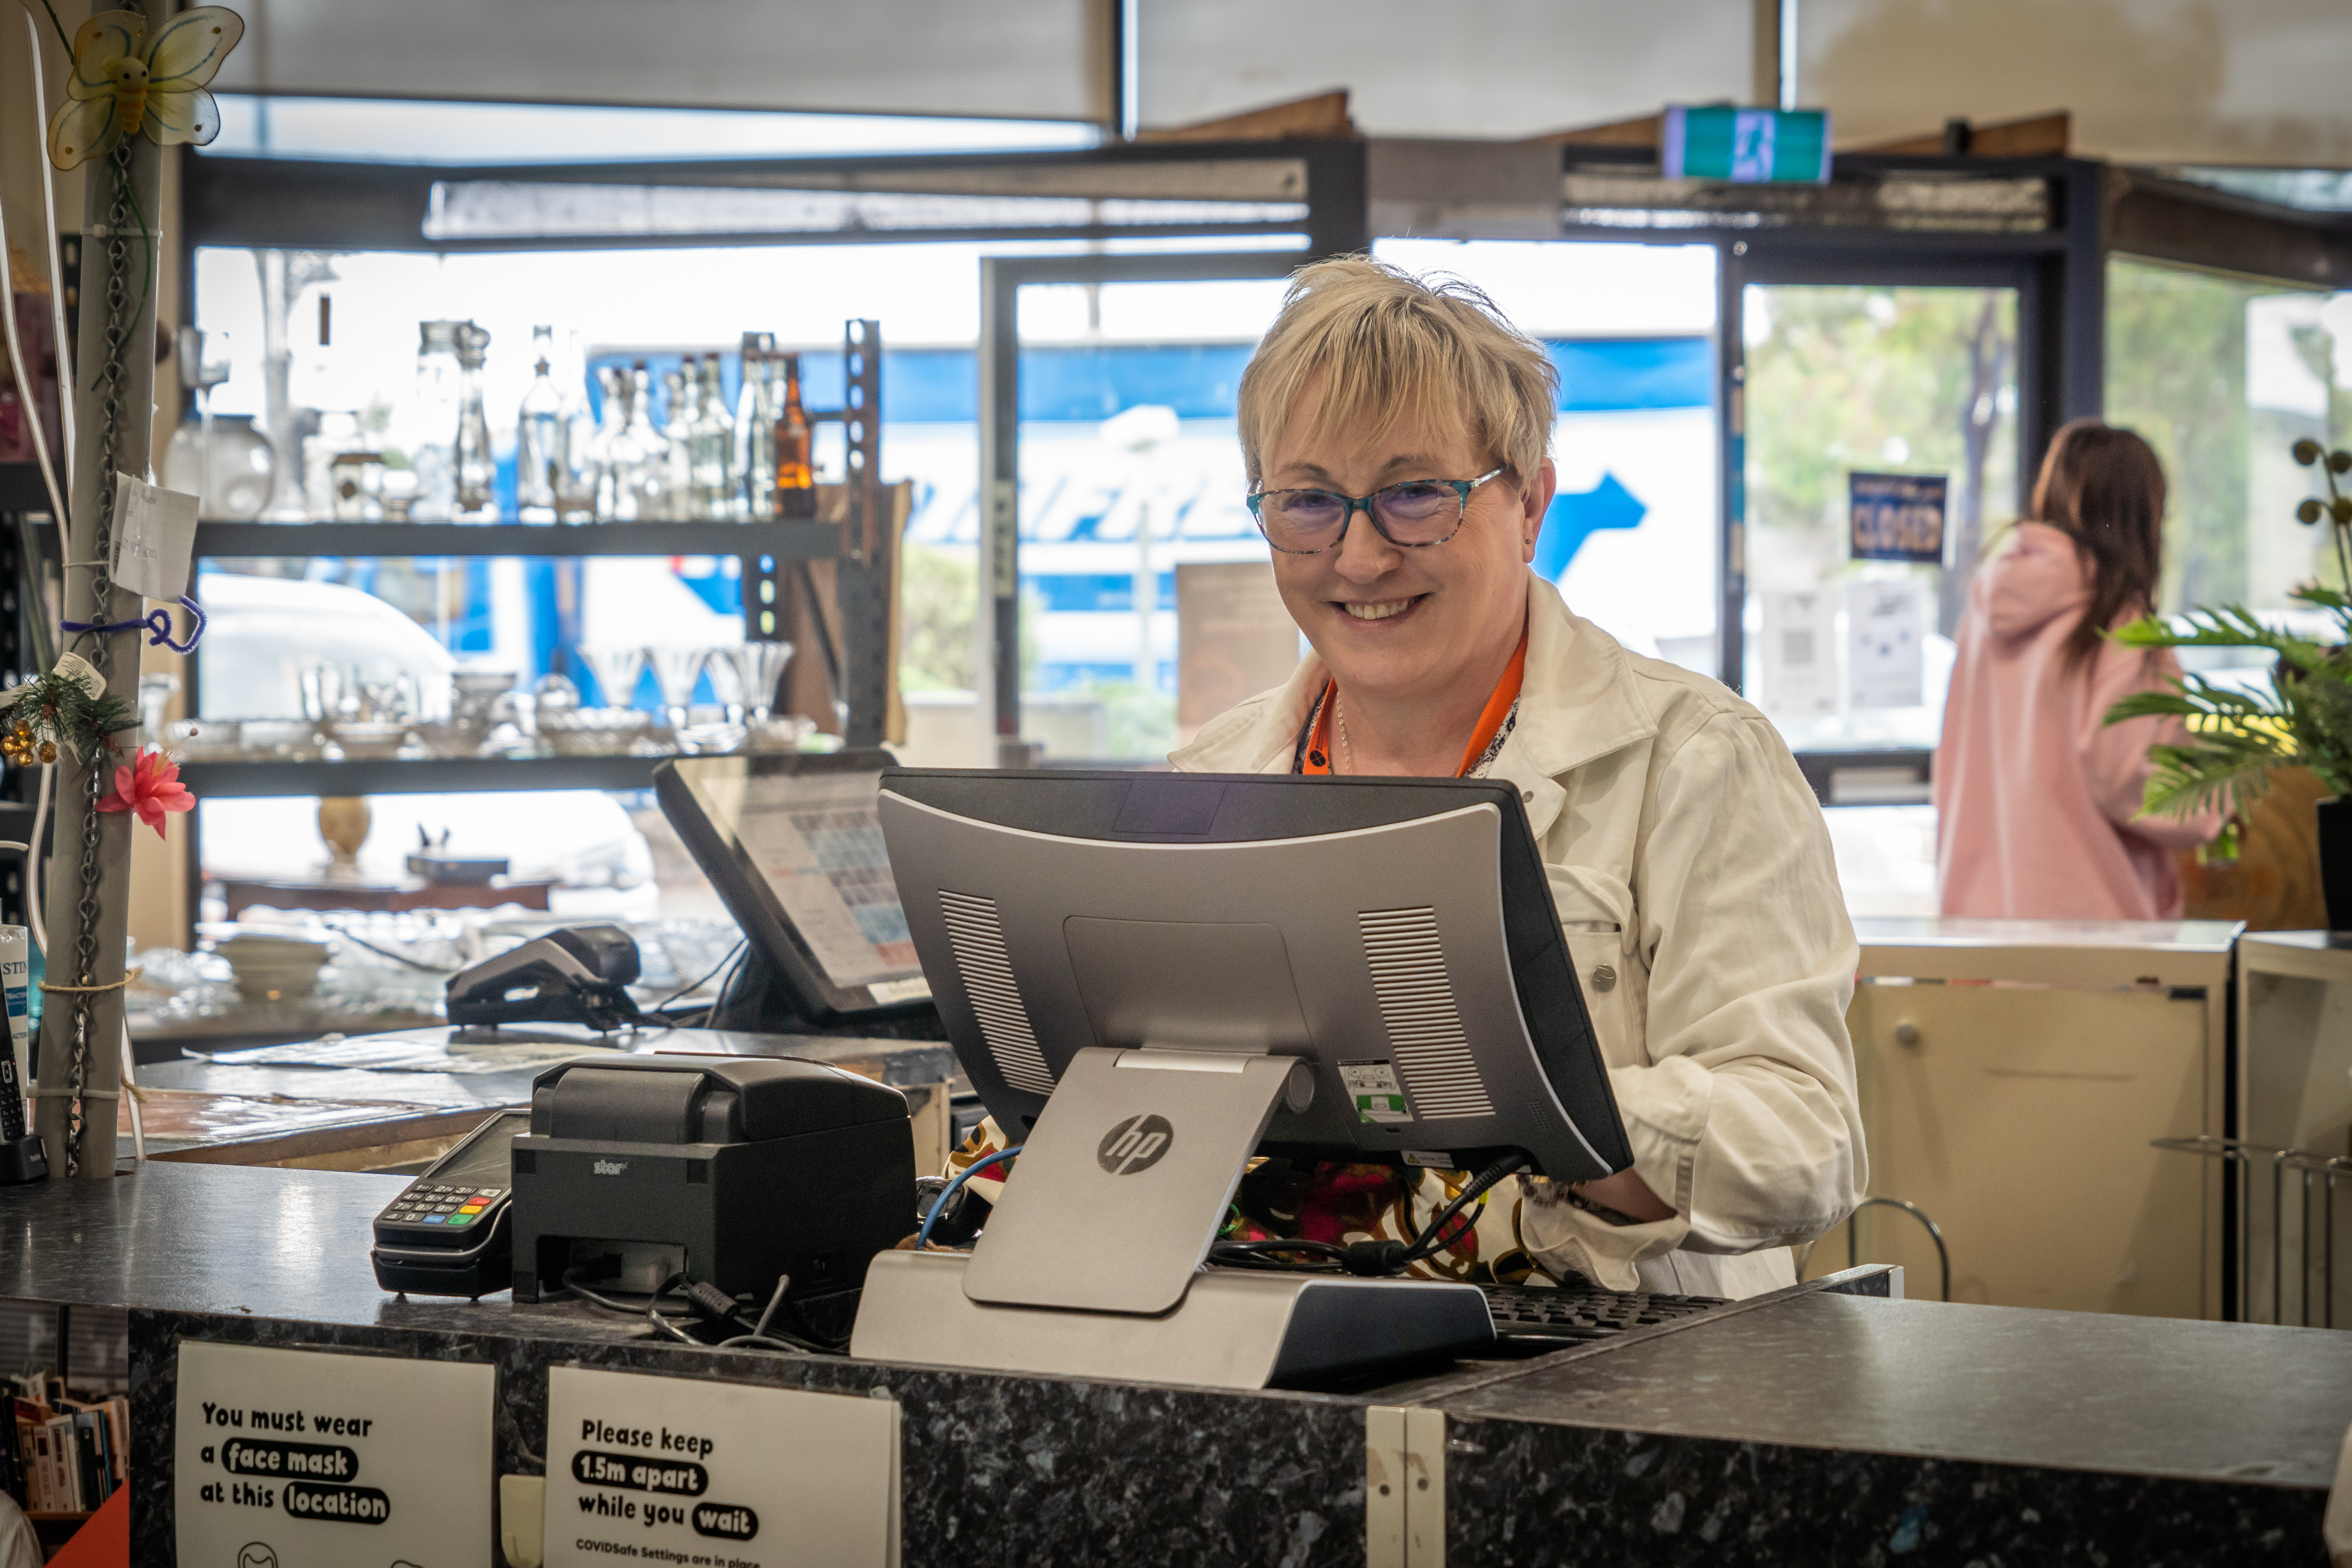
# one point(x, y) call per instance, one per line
point(2237, 738)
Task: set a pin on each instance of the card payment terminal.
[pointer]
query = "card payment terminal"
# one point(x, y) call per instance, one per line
point(447, 1234)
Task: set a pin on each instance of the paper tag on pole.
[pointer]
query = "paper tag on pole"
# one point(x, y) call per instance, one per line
point(154, 539)
point(82, 673)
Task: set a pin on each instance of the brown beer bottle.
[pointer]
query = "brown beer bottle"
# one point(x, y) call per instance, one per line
point(795, 473)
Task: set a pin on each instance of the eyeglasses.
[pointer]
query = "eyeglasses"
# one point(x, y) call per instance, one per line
point(1415, 513)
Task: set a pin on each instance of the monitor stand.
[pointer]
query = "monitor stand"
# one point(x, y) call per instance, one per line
point(1092, 1261)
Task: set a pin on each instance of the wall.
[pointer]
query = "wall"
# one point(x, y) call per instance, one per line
point(2150, 81)
point(1477, 68)
point(1023, 58)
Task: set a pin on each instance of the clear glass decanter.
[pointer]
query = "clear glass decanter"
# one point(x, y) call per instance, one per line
point(540, 465)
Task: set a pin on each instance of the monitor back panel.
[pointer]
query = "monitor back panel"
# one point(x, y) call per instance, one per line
point(1378, 952)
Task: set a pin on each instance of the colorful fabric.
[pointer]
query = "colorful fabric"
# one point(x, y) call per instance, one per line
point(1328, 1201)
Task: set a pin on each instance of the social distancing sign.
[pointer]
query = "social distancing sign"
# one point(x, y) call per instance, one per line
point(718, 1475)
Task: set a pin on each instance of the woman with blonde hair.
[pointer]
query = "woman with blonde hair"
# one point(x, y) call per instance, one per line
point(2037, 797)
point(1395, 432)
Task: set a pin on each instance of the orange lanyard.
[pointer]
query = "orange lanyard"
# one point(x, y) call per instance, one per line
point(1315, 756)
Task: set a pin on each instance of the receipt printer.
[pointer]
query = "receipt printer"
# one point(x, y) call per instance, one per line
point(731, 1170)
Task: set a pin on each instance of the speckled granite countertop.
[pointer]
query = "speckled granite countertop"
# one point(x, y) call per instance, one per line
point(1806, 1429)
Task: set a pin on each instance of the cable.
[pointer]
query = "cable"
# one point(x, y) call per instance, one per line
point(1370, 1259)
point(1433, 1239)
point(33, 863)
point(740, 946)
point(780, 1339)
point(923, 1237)
point(775, 1299)
point(358, 941)
point(1236, 1251)
point(597, 1299)
point(707, 1018)
point(653, 1312)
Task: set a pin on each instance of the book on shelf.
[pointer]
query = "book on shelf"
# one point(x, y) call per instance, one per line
point(90, 1476)
point(107, 1423)
point(66, 1457)
point(59, 1473)
point(25, 1419)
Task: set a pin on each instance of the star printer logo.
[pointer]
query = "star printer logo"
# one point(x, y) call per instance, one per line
point(611, 1167)
point(1134, 1144)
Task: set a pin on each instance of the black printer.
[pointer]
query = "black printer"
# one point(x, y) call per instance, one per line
point(729, 1170)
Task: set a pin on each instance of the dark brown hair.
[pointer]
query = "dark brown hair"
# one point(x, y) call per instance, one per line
point(2104, 487)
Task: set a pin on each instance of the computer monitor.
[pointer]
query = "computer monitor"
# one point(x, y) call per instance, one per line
point(1395, 936)
point(791, 844)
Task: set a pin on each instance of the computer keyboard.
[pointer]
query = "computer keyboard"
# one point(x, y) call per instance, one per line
point(1581, 1311)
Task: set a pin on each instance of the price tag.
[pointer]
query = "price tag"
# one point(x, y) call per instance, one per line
point(154, 539)
point(297, 1456)
point(671, 1470)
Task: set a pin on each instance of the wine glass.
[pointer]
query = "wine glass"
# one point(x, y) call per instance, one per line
point(617, 669)
point(757, 668)
point(676, 669)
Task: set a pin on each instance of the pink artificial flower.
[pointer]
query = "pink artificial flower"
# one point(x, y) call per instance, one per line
point(151, 789)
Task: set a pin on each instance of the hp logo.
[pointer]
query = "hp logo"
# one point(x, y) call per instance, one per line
point(1134, 1144)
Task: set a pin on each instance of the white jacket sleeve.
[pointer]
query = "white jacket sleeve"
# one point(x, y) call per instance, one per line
point(1743, 1117)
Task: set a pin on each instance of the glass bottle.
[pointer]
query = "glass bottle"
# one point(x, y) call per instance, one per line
point(796, 447)
point(682, 388)
point(423, 430)
point(575, 492)
point(475, 496)
point(647, 453)
point(540, 467)
point(755, 428)
point(615, 477)
point(713, 439)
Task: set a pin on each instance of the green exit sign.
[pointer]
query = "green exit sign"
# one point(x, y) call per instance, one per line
point(1745, 146)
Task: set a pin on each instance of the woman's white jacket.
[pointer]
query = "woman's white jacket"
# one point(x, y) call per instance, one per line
point(1695, 887)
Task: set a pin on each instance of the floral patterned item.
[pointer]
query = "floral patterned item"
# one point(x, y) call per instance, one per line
point(151, 788)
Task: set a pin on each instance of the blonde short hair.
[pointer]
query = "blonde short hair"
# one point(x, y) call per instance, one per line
point(1361, 339)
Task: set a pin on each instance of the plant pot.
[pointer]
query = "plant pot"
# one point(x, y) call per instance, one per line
point(2336, 861)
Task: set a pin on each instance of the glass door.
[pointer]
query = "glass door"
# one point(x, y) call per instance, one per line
point(1132, 599)
point(1147, 597)
point(1881, 458)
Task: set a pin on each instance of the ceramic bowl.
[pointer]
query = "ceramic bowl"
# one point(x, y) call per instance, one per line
point(368, 737)
point(273, 968)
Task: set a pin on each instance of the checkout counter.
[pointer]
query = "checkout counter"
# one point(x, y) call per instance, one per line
point(278, 1389)
point(1817, 1424)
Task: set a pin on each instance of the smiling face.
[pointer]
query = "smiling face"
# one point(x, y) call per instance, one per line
point(1429, 626)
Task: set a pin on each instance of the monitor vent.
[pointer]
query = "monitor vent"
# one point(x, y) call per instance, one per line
point(987, 973)
point(1432, 1055)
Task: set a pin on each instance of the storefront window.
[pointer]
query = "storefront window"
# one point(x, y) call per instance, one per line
point(1630, 535)
point(1855, 380)
point(2272, 365)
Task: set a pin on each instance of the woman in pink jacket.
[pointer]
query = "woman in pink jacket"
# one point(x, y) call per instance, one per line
point(2038, 801)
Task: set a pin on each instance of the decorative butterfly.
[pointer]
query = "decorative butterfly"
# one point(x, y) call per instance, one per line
point(120, 87)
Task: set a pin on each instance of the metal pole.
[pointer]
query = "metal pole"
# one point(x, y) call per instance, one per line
point(997, 633)
point(1789, 53)
point(1126, 68)
point(89, 877)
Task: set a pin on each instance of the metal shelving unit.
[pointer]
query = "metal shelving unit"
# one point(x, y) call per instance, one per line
point(252, 540)
point(773, 555)
point(231, 779)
